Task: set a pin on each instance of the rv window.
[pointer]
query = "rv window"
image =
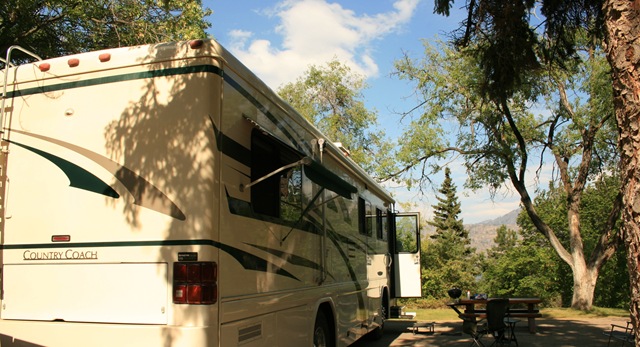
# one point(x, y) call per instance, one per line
point(406, 236)
point(290, 194)
point(386, 221)
point(278, 196)
point(366, 217)
point(381, 224)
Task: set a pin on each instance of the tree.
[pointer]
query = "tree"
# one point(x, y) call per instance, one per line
point(330, 97)
point(450, 231)
point(447, 257)
point(505, 239)
point(497, 135)
point(622, 25)
point(615, 20)
point(595, 207)
point(527, 265)
point(520, 267)
point(53, 28)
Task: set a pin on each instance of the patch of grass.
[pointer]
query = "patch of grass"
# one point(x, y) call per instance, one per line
point(433, 314)
point(595, 312)
point(447, 314)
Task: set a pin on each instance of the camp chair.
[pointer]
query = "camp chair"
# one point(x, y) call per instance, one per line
point(497, 310)
point(620, 334)
point(470, 326)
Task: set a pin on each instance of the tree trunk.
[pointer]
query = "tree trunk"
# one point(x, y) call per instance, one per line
point(622, 20)
point(585, 275)
point(584, 284)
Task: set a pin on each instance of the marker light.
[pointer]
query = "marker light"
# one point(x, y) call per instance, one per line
point(195, 44)
point(60, 238)
point(195, 283)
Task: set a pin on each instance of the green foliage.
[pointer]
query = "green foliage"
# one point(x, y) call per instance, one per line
point(447, 258)
point(447, 211)
point(449, 86)
point(611, 290)
point(57, 27)
point(451, 239)
point(330, 97)
point(505, 240)
point(524, 264)
point(511, 46)
point(520, 268)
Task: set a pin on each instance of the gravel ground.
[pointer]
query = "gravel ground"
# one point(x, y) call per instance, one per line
point(557, 332)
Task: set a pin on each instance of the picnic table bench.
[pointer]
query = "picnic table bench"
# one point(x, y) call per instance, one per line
point(530, 312)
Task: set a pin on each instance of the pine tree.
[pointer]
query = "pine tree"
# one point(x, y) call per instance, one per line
point(450, 232)
point(447, 257)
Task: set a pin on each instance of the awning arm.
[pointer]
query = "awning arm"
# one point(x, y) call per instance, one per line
point(303, 161)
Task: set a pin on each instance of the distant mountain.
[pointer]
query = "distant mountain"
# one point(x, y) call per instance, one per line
point(507, 219)
point(483, 233)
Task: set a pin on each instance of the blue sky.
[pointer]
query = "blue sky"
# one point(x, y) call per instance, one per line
point(279, 40)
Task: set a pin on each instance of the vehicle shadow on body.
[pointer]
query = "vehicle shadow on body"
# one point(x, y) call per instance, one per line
point(9, 341)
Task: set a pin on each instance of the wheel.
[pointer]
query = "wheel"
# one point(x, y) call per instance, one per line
point(322, 336)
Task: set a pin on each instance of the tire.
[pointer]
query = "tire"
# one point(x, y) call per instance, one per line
point(322, 334)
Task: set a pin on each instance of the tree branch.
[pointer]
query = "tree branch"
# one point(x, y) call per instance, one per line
point(608, 242)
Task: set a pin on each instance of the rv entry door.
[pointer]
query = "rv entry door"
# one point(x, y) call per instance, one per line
point(404, 247)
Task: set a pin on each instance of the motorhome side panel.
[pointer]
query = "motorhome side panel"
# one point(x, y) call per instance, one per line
point(271, 287)
point(302, 238)
point(111, 179)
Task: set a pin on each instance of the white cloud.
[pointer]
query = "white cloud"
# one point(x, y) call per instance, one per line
point(313, 32)
point(240, 37)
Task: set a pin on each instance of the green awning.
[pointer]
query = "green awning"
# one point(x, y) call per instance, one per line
point(327, 179)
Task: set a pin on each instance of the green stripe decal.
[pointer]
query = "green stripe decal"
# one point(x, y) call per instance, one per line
point(118, 78)
point(78, 177)
point(145, 194)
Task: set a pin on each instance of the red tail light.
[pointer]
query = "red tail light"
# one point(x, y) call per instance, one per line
point(195, 283)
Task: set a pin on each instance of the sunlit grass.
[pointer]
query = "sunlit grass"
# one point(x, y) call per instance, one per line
point(433, 314)
point(595, 312)
point(447, 314)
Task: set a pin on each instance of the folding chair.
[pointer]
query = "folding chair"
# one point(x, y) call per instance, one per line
point(622, 334)
point(470, 326)
point(496, 313)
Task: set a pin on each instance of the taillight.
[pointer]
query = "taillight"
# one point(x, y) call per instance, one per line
point(195, 283)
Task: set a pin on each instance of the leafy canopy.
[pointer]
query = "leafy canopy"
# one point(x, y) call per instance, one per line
point(53, 28)
point(330, 97)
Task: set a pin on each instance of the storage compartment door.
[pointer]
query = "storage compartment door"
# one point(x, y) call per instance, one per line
point(108, 293)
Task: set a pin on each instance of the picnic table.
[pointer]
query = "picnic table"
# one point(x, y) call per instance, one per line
point(531, 312)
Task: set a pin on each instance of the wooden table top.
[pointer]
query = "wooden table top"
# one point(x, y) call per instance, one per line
point(484, 301)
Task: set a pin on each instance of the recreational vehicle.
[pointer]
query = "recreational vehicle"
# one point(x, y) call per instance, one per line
point(162, 195)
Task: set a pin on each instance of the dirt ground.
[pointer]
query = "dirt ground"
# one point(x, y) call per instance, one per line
point(558, 332)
